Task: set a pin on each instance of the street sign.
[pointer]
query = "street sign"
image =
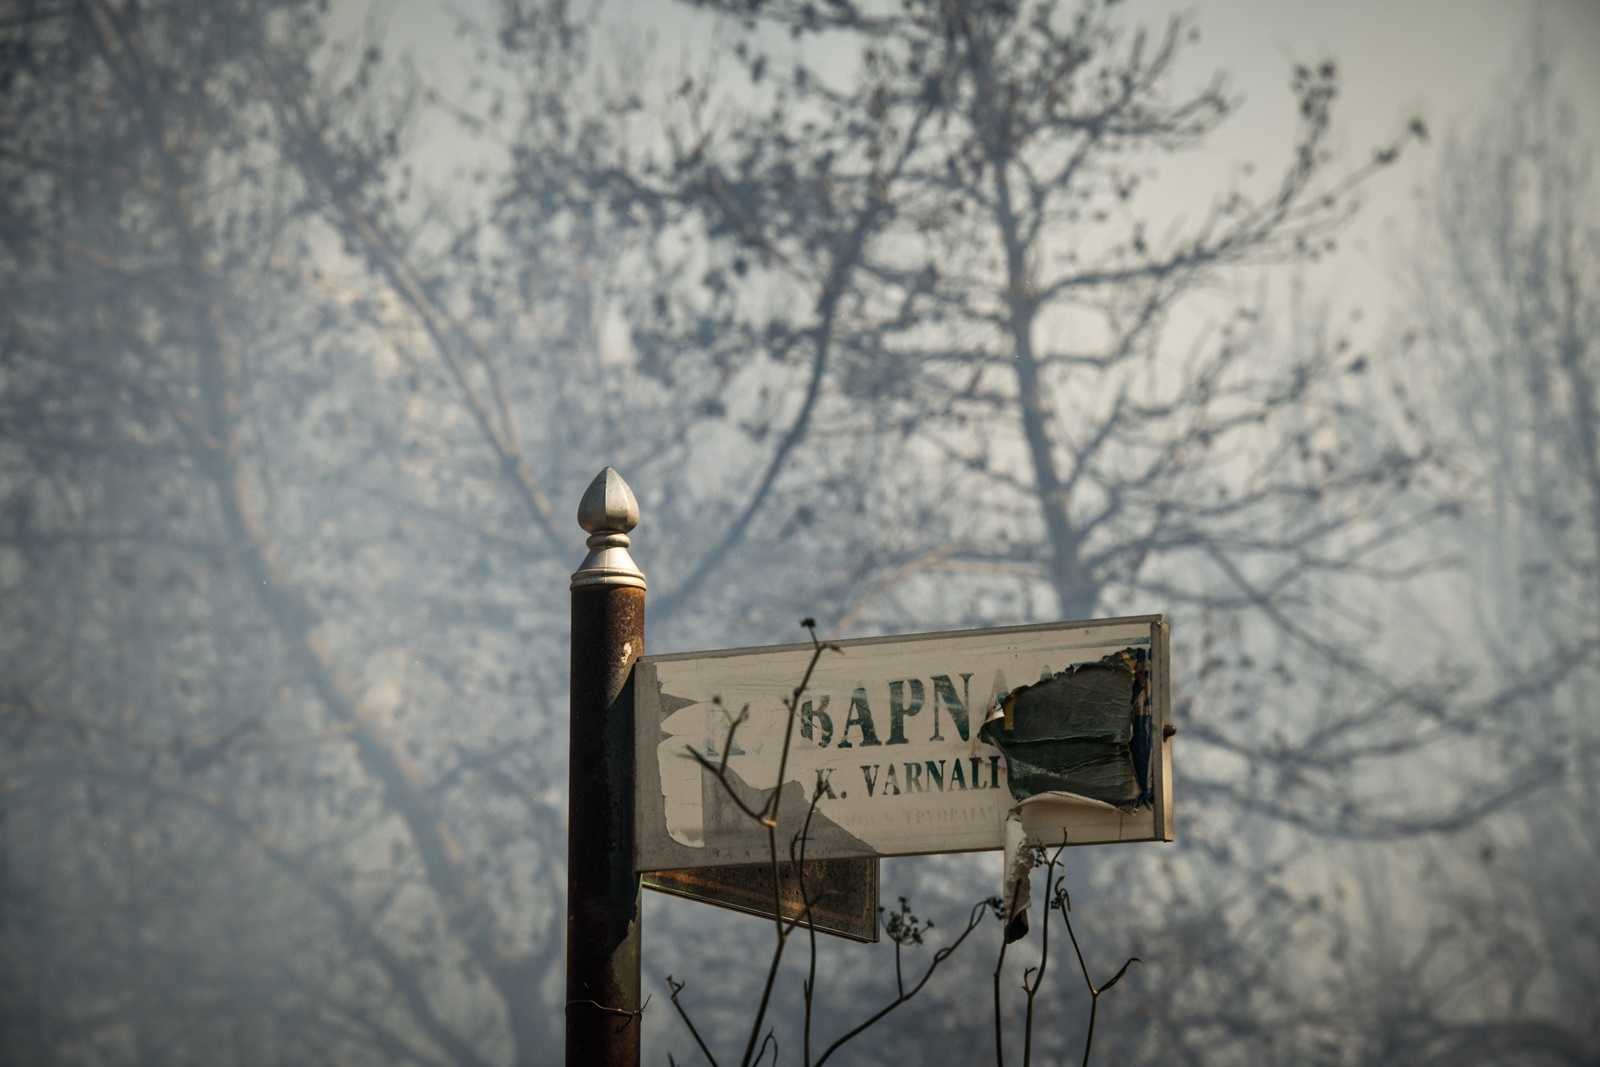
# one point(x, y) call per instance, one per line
point(895, 736)
point(841, 896)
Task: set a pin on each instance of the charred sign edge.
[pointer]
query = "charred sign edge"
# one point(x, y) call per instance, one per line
point(1137, 662)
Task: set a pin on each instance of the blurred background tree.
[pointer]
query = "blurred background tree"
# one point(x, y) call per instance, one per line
point(292, 417)
point(1506, 340)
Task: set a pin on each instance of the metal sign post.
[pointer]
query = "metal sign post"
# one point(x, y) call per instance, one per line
point(602, 888)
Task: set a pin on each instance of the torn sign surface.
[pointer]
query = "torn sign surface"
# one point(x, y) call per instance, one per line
point(1084, 732)
point(1081, 737)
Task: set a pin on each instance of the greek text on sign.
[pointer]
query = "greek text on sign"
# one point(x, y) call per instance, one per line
point(893, 733)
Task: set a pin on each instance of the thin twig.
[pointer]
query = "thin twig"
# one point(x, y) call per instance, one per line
point(797, 856)
point(1094, 992)
point(770, 811)
point(1056, 890)
point(676, 988)
point(939, 957)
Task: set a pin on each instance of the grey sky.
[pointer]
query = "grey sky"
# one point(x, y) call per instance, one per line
point(1440, 60)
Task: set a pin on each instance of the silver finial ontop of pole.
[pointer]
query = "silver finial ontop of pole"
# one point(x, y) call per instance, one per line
point(608, 511)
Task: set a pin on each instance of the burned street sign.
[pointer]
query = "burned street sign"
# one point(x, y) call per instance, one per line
point(916, 744)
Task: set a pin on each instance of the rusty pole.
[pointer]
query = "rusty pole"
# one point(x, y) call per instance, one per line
point(602, 889)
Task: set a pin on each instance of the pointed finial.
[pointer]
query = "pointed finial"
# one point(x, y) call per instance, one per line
point(607, 512)
point(608, 504)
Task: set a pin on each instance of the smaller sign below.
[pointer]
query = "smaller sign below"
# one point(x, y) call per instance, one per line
point(843, 893)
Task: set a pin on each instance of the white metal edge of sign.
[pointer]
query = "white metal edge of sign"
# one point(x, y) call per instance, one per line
point(890, 725)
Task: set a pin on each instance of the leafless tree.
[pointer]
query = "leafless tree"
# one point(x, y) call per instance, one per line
point(1507, 338)
point(285, 432)
point(215, 737)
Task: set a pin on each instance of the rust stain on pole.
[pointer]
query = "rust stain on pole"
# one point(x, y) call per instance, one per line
point(608, 592)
